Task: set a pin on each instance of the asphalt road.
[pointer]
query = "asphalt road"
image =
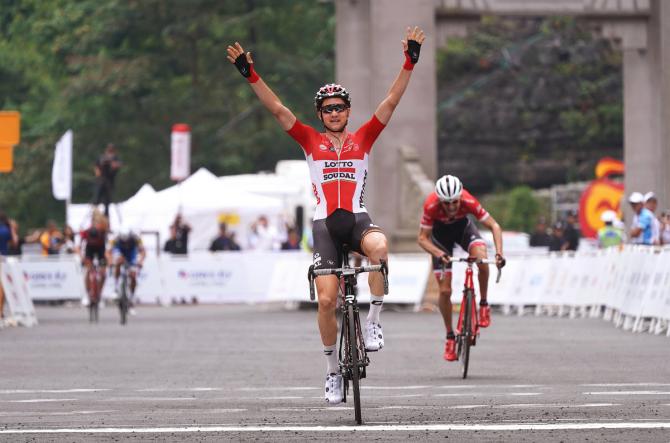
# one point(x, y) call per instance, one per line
point(243, 373)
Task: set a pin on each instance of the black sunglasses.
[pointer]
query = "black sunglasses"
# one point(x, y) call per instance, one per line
point(340, 107)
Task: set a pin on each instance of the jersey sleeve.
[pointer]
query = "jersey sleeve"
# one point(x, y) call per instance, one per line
point(427, 219)
point(368, 133)
point(305, 135)
point(475, 208)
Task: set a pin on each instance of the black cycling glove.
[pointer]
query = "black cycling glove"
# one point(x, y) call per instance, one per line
point(243, 65)
point(413, 50)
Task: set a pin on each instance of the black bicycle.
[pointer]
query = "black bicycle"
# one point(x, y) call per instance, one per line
point(352, 355)
point(126, 293)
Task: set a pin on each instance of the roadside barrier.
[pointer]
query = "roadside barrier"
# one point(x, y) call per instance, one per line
point(629, 286)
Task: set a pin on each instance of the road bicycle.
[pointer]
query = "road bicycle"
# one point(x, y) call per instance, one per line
point(353, 358)
point(467, 329)
point(125, 293)
point(95, 275)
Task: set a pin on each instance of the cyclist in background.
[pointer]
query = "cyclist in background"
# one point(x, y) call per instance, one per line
point(126, 248)
point(94, 244)
point(444, 224)
point(338, 162)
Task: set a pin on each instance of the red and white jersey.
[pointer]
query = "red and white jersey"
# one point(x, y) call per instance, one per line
point(338, 178)
point(433, 211)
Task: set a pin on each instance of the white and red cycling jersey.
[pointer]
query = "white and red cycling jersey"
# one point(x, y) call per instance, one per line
point(433, 211)
point(338, 178)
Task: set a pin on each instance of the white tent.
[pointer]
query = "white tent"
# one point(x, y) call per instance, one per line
point(202, 199)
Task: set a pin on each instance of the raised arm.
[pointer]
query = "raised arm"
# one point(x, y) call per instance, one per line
point(411, 46)
point(245, 65)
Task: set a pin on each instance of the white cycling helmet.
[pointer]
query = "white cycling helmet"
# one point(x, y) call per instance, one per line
point(123, 231)
point(448, 188)
point(608, 216)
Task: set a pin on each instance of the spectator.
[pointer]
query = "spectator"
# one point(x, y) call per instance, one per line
point(263, 236)
point(223, 242)
point(292, 243)
point(15, 246)
point(106, 168)
point(557, 238)
point(51, 239)
point(8, 234)
point(609, 235)
point(665, 227)
point(651, 203)
point(171, 244)
point(181, 231)
point(69, 246)
point(570, 233)
point(641, 229)
point(540, 238)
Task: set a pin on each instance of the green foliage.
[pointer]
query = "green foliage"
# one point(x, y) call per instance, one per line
point(517, 209)
point(124, 71)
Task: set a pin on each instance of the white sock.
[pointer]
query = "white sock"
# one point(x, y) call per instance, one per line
point(331, 358)
point(376, 302)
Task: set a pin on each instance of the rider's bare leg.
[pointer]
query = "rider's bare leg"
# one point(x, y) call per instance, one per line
point(444, 301)
point(375, 248)
point(479, 251)
point(326, 286)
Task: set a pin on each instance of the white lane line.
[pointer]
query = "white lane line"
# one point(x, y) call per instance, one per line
point(31, 413)
point(178, 390)
point(40, 400)
point(396, 388)
point(49, 391)
point(270, 388)
point(286, 397)
point(372, 428)
point(488, 394)
point(602, 385)
point(627, 393)
point(115, 399)
point(488, 386)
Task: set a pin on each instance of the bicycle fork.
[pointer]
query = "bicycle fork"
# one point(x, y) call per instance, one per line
point(468, 286)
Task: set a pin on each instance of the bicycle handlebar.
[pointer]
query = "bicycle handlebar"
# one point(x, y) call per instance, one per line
point(339, 272)
point(476, 261)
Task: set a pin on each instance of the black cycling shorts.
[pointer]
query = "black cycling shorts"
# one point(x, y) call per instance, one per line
point(339, 228)
point(462, 232)
point(96, 251)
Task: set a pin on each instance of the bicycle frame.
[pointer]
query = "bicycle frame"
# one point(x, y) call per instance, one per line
point(352, 354)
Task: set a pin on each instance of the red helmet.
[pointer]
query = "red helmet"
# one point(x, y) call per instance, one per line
point(329, 91)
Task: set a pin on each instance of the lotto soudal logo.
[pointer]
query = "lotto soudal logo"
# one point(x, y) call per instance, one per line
point(361, 201)
point(339, 170)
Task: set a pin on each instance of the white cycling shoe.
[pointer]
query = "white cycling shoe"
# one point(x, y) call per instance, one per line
point(373, 336)
point(334, 389)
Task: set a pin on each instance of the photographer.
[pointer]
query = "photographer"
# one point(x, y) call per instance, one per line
point(106, 167)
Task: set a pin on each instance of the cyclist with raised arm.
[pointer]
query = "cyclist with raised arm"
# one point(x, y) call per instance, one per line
point(126, 248)
point(444, 224)
point(338, 163)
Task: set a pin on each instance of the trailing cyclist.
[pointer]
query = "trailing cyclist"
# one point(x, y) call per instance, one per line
point(126, 248)
point(338, 162)
point(444, 224)
point(94, 244)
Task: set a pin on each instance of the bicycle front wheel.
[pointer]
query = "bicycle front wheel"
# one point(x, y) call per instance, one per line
point(355, 362)
point(123, 301)
point(466, 333)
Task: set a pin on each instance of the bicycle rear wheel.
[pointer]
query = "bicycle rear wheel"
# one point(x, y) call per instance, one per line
point(466, 333)
point(355, 362)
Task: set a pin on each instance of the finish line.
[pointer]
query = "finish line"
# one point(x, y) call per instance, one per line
point(374, 428)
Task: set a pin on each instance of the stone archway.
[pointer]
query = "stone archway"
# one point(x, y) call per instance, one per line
point(368, 59)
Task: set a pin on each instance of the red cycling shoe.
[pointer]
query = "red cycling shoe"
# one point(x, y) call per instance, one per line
point(484, 316)
point(450, 350)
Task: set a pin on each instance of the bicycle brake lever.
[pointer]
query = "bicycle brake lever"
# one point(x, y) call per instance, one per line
point(499, 275)
point(385, 273)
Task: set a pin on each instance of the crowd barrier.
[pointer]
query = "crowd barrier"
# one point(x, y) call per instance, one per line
point(631, 286)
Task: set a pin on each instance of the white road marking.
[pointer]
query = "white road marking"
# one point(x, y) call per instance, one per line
point(487, 394)
point(114, 399)
point(49, 391)
point(372, 428)
point(393, 388)
point(627, 393)
point(488, 386)
point(41, 413)
point(178, 389)
point(270, 388)
point(40, 400)
point(624, 384)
